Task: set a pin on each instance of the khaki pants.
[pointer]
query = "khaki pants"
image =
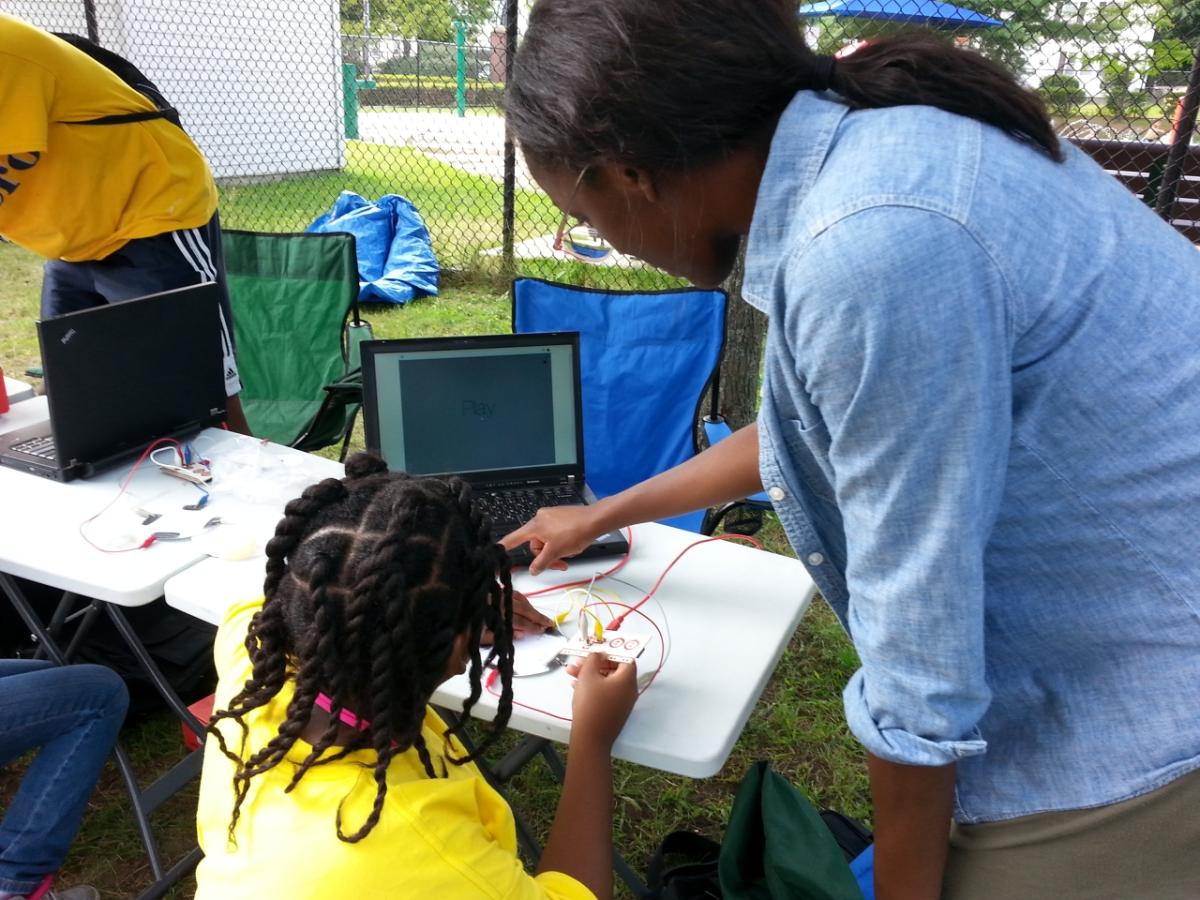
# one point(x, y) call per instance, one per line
point(1147, 848)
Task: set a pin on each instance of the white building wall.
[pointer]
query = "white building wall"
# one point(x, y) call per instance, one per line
point(55, 15)
point(258, 84)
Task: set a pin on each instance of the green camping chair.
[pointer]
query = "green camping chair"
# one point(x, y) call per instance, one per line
point(298, 329)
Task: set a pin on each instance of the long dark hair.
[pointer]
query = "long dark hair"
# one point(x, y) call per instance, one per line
point(669, 85)
point(369, 581)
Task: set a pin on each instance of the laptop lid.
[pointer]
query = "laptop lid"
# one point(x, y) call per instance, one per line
point(120, 375)
point(495, 409)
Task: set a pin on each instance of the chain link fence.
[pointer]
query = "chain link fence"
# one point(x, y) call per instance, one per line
point(294, 101)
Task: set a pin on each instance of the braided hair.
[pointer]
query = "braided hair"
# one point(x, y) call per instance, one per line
point(370, 580)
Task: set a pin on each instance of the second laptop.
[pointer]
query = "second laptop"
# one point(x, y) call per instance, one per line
point(503, 412)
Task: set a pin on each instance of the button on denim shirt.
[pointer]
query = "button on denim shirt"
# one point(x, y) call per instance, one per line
point(980, 428)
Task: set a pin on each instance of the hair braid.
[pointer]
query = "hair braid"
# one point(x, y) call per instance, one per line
point(372, 583)
point(489, 559)
point(330, 643)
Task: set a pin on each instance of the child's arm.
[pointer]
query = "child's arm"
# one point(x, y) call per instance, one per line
point(580, 842)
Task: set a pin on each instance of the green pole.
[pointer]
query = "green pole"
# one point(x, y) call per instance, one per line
point(460, 42)
point(350, 99)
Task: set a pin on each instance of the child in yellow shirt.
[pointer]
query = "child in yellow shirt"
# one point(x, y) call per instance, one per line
point(326, 774)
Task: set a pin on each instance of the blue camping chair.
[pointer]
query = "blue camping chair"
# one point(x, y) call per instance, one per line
point(646, 359)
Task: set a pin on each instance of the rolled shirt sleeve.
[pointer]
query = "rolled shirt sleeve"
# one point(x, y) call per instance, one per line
point(902, 328)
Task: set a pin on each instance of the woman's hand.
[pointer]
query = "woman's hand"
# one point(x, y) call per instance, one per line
point(605, 692)
point(554, 534)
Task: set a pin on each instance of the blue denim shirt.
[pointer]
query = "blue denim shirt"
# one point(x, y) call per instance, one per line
point(981, 430)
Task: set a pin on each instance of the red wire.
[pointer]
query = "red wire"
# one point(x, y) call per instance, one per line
point(615, 624)
point(635, 608)
point(662, 656)
point(125, 484)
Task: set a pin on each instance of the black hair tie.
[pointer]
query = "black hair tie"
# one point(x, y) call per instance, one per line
point(823, 72)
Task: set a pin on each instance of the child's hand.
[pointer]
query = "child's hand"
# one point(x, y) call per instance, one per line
point(527, 619)
point(605, 692)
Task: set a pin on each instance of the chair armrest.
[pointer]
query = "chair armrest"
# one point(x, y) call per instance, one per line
point(716, 430)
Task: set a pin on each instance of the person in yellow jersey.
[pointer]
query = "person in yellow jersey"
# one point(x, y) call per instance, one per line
point(326, 773)
point(119, 207)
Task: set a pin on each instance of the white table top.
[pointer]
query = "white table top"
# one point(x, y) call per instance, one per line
point(728, 612)
point(26, 413)
point(42, 530)
point(17, 390)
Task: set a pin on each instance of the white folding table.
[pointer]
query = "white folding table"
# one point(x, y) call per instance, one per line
point(17, 390)
point(42, 539)
point(728, 612)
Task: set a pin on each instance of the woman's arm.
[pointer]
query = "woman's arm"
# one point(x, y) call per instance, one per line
point(912, 824)
point(726, 471)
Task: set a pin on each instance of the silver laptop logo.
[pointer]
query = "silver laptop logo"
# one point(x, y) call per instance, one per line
point(66, 337)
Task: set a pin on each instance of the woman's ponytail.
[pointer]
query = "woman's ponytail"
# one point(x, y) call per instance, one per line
point(916, 69)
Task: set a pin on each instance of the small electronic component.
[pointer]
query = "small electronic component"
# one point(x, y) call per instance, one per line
point(622, 647)
point(196, 473)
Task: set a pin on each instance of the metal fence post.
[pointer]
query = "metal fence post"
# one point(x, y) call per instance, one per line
point(460, 66)
point(89, 15)
point(350, 100)
point(510, 150)
point(366, 20)
point(1181, 141)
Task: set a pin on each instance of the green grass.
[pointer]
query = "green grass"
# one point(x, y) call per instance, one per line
point(464, 212)
point(797, 724)
point(20, 287)
point(385, 80)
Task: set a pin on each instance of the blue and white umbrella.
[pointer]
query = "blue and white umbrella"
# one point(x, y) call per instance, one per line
point(933, 13)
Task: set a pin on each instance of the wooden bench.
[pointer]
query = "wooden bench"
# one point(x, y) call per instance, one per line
point(1139, 166)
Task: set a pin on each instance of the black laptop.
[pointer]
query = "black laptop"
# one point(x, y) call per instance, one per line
point(118, 377)
point(502, 412)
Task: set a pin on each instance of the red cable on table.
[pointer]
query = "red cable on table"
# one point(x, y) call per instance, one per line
point(615, 625)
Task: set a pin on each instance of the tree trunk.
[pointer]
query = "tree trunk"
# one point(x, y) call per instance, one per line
point(745, 340)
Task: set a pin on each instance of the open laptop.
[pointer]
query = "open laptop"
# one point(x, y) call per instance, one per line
point(119, 376)
point(502, 412)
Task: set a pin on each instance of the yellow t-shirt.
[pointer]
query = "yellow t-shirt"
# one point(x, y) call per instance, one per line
point(436, 837)
point(80, 192)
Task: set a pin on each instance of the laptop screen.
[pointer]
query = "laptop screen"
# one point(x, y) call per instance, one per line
point(472, 405)
point(122, 374)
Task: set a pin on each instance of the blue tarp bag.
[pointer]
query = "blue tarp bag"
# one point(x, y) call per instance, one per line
point(395, 255)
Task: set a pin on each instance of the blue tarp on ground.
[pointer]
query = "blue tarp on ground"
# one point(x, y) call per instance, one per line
point(395, 255)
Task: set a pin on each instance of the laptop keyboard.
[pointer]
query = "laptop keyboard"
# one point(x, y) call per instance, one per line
point(41, 447)
point(511, 509)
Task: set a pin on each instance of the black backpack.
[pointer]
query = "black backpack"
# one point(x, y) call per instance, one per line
point(132, 76)
point(685, 866)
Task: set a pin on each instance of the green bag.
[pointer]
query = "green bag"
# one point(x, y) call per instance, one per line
point(776, 846)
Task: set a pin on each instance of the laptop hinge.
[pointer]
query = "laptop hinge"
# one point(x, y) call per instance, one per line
point(523, 483)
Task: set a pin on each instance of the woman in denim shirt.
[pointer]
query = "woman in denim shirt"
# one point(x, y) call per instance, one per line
point(979, 423)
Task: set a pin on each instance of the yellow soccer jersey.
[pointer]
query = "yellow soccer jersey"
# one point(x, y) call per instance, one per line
point(80, 192)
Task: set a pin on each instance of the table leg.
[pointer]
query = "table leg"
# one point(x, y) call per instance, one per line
point(61, 612)
point(150, 667)
point(85, 625)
